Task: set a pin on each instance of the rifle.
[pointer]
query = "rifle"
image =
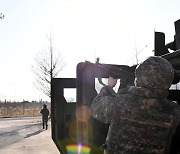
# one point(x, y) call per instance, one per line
point(122, 72)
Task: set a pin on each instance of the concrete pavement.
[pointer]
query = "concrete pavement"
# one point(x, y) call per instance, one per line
point(40, 143)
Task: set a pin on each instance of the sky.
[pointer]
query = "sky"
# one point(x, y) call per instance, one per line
point(113, 30)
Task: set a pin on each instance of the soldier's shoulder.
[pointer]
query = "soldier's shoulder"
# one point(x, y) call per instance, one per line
point(172, 106)
point(124, 94)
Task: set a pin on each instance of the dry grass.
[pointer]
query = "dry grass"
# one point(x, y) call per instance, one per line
point(19, 112)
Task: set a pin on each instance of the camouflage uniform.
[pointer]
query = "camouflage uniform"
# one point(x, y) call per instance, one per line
point(141, 120)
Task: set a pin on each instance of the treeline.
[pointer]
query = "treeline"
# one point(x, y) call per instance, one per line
point(24, 108)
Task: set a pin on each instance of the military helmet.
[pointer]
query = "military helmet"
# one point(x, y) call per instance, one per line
point(155, 72)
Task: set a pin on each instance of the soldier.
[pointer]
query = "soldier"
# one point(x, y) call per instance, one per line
point(141, 120)
point(45, 114)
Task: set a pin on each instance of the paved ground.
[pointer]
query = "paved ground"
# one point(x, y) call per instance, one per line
point(25, 136)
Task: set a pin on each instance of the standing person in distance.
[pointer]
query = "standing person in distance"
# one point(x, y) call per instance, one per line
point(45, 113)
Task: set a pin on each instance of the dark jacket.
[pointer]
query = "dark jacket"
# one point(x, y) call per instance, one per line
point(45, 113)
point(141, 120)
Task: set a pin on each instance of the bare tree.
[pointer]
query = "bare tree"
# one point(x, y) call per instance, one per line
point(48, 64)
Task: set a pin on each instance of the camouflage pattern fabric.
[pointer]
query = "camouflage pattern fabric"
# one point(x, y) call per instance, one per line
point(155, 72)
point(142, 121)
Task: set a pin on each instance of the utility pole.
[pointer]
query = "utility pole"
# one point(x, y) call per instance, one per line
point(138, 53)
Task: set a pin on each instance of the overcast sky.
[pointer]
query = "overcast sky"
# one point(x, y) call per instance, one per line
point(82, 30)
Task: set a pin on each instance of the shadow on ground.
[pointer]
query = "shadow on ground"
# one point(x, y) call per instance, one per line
point(35, 133)
point(14, 135)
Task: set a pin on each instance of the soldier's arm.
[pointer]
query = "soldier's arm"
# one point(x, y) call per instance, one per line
point(103, 104)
